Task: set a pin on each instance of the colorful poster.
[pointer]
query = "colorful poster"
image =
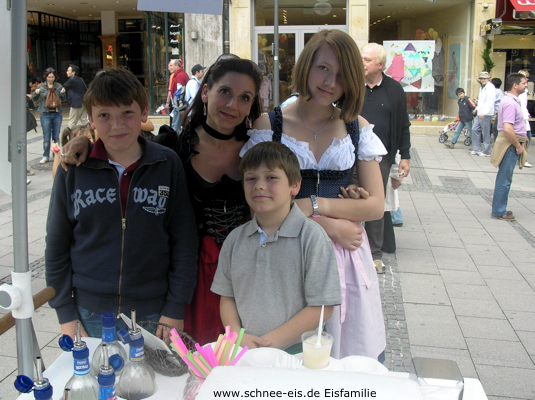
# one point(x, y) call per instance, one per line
point(410, 62)
point(454, 69)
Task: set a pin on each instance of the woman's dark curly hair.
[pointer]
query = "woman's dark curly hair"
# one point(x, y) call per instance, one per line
point(214, 74)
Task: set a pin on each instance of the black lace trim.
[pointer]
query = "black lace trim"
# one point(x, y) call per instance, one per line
point(324, 174)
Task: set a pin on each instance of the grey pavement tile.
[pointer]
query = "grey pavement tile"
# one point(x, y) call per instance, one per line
point(6, 260)
point(528, 340)
point(474, 235)
point(8, 340)
point(37, 248)
point(423, 289)
point(5, 271)
point(457, 259)
point(46, 320)
point(7, 389)
point(521, 321)
point(525, 267)
point(433, 326)
point(477, 308)
point(510, 286)
point(432, 226)
point(510, 237)
point(418, 261)
point(495, 272)
point(507, 382)
point(449, 240)
point(467, 291)
point(461, 357)
point(516, 302)
point(488, 255)
point(530, 279)
point(502, 398)
point(487, 328)
point(472, 277)
point(499, 352)
point(411, 240)
point(7, 367)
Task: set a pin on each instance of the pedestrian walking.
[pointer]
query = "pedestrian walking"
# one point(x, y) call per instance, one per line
point(75, 88)
point(484, 112)
point(511, 145)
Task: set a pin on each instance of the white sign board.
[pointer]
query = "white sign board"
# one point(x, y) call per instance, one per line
point(214, 7)
point(5, 110)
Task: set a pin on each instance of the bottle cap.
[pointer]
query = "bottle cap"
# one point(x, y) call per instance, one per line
point(109, 320)
point(124, 336)
point(23, 384)
point(43, 394)
point(106, 379)
point(66, 343)
point(80, 353)
point(117, 362)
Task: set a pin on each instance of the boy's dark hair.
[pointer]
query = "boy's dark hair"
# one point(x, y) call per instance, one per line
point(273, 155)
point(114, 88)
point(514, 78)
point(497, 82)
point(75, 69)
point(459, 90)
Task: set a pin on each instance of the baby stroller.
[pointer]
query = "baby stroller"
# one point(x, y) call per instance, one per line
point(452, 127)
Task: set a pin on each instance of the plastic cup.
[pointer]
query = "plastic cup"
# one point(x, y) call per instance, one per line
point(316, 356)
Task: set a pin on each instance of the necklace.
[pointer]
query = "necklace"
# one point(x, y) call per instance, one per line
point(314, 132)
point(215, 134)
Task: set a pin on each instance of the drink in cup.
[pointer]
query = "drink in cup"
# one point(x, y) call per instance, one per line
point(316, 356)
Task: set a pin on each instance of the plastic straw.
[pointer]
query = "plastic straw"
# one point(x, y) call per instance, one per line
point(227, 330)
point(200, 363)
point(197, 366)
point(239, 356)
point(211, 355)
point(320, 327)
point(237, 345)
point(218, 343)
point(225, 354)
point(178, 340)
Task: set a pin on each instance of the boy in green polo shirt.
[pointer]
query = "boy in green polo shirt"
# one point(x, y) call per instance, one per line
point(277, 270)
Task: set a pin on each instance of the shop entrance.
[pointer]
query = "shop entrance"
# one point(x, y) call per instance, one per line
point(291, 43)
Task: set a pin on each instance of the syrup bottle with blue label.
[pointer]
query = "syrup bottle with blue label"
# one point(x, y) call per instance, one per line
point(82, 385)
point(106, 377)
point(137, 379)
point(109, 338)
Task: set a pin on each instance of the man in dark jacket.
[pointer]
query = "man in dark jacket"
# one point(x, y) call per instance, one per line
point(76, 88)
point(385, 106)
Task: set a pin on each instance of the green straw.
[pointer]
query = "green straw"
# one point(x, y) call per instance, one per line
point(237, 344)
point(190, 358)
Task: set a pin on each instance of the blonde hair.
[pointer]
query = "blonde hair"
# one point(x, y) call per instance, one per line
point(351, 70)
point(524, 72)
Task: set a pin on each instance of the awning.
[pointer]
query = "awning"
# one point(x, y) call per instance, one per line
point(523, 5)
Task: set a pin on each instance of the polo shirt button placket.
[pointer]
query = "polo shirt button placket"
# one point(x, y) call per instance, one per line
point(263, 245)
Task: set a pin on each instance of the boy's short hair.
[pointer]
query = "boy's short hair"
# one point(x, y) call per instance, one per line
point(273, 155)
point(459, 90)
point(497, 82)
point(114, 88)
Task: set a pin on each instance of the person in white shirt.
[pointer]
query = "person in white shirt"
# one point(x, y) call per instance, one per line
point(485, 111)
point(193, 85)
point(523, 97)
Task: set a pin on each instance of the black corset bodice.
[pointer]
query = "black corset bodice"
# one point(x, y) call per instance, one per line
point(324, 183)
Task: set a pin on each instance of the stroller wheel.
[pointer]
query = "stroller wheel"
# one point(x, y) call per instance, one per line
point(442, 138)
point(468, 141)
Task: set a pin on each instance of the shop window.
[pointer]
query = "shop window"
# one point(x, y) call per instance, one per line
point(307, 12)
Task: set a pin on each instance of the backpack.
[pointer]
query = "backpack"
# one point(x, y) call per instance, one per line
point(52, 98)
point(179, 98)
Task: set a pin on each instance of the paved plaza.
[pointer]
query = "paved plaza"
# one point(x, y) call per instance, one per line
point(461, 285)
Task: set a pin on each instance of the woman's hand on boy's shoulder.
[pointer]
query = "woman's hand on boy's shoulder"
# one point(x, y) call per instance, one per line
point(75, 151)
point(254, 342)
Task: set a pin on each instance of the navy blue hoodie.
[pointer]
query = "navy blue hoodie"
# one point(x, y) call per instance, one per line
point(103, 262)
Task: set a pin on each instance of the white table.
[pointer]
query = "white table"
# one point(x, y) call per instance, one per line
point(172, 387)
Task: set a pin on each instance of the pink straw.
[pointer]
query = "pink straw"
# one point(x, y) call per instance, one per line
point(200, 363)
point(239, 356)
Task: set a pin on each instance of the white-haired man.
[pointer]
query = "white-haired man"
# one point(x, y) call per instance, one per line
point(385, 106)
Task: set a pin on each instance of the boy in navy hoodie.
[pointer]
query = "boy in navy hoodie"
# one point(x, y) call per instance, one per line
point(120, 232)
point(466, 115)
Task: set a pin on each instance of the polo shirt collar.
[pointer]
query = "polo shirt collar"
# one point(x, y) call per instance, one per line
point(291, 227)
point(513, 97)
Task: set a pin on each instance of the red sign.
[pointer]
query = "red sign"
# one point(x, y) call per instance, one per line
point(523, 5)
